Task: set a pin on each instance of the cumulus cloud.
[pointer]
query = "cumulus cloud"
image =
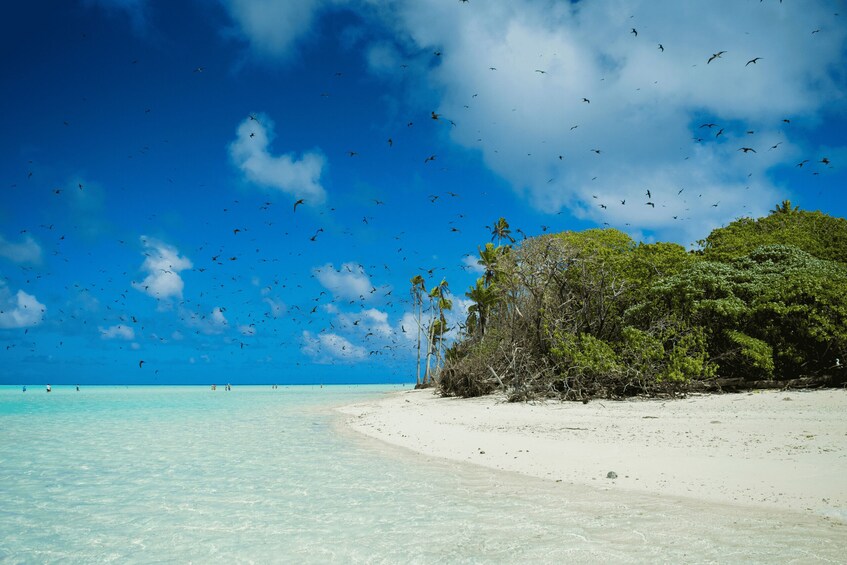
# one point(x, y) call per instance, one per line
point(19, 310)
point(251, 154)
point(458, 315)
point(370, 320)
point(213, 323)
point(471, 263)
point(273, 28)
point(571, 78)
point(119, 331)
point(350, 281)
point(328, 348)
point(163, 265)
point(27, 251)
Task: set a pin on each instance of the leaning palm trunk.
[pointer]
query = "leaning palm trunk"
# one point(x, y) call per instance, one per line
point(429, 351)
point(420, 329)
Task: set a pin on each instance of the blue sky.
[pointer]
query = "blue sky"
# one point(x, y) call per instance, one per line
point(152, 154)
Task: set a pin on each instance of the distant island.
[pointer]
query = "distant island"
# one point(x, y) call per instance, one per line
point(593, 314)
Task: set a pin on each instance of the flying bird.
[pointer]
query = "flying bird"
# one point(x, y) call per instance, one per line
point(715, 56)
point(747, 149)
point(752, 61)
point(634, 32)
point(661, 48)
point(301, 201)
point(140, 363)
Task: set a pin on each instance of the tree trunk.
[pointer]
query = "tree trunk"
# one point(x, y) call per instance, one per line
point(419, 300)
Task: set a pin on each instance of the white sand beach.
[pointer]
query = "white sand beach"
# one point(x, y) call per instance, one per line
point(776, 449)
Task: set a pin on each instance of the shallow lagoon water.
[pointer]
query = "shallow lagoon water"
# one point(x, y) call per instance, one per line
point(186, 474)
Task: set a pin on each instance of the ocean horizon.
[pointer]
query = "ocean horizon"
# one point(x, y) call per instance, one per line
point(138, 474)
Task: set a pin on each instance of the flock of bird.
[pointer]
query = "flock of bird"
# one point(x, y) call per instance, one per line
point(355, 322)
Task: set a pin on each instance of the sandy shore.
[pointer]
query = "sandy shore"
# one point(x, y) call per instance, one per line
point(785, 450)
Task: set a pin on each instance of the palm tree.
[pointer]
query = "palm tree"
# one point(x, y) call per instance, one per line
point(417, 291)
point(500, 230)
point(785, 208)
point(436, 329)
point(484, 297)
point(444, 304)
point(488, 258)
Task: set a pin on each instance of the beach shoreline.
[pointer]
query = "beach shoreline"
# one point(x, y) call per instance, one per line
point(779, 450)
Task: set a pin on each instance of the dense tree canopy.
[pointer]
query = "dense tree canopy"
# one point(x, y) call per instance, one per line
point(818, 234)
point(594, 314)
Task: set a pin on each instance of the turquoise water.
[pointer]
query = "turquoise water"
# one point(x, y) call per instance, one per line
point(185, 474)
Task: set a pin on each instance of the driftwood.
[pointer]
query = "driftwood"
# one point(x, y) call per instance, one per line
point(735, 384)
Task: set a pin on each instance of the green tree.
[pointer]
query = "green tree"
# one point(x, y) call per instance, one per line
point(500, 230)
point(592, 313)
point(778, 301)
point(785, 207)
point(436, 328)
point(818, 234)
point(484, 298)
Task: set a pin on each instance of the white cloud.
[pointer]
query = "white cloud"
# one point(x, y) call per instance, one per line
point(277, 306)
point(458, 315)
point(645, 103)
point(214, 322)
point(21, 310)
point(273, 28)
point(369, 320)
point(27, 251)
point(163, 265)
point(118, 331)
point(409, 323)
point(298, 177)
point(329, 347)
point(350, 281)
point(376, 321)
point(471, 263)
